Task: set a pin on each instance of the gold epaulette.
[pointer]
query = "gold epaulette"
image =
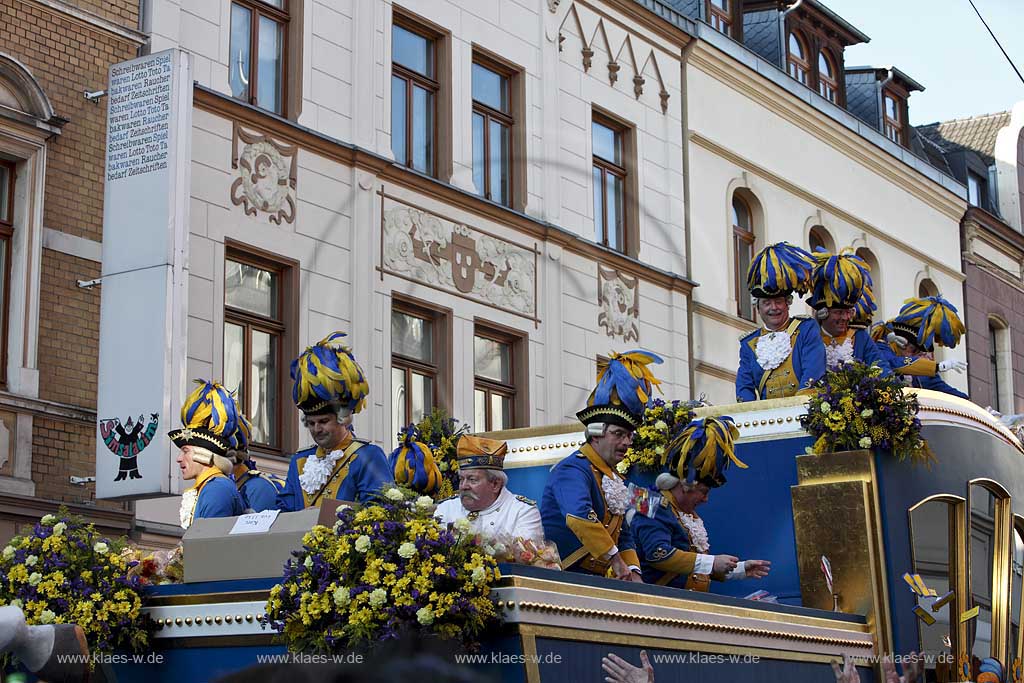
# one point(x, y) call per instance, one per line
point(524, 499)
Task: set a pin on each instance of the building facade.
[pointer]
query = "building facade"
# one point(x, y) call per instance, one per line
point(986, 153)
point(486, 197)
point(52, 147)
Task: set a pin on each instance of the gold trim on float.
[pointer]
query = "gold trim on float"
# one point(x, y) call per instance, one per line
point(750, 406)
point(514, 581)
point(631, 640)
point(547, 608)
point(204, 598)
point(530, 661)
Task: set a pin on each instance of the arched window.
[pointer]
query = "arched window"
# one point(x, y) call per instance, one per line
point(927, 288)
point(876, 279)
point(828, 82)
point(743, 246)
point(819, 238)
point(933, 523)
point(1000, 361)
point(797, 62)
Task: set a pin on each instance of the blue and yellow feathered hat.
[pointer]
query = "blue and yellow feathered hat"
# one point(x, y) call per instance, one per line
point(864, 309)
point(839, 280)
point(779, 270)
point(624, 388)
point(704, 450)
point(928, 321)
point(479, 453)
point(413, 463)
point(242, 437)
point(210, 419)
point(327, 377)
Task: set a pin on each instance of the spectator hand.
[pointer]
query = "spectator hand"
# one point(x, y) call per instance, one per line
point(757, 569)
point(621, 671)
point(952, 364)
point(724, 564)
point(848, 674)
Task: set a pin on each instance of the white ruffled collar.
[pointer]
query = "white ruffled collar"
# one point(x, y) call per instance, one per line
point(838, 355)
point(318, 469)
point(696, 531)
point(189, 498)
point(772, 349)
point(616, 494)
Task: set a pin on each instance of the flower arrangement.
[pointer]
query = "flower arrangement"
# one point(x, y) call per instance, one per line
point(383, 569)
point(856, 407)
point(519, 550)
point(61, 571)
point(661, 421)
point(441, 433)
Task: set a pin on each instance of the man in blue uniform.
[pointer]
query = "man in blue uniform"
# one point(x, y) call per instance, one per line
point(908, 340)
point(673, 545)
point(210, 419)
point(786, 356)
point(584, 503)
point(258, 489)
point(839, 284)
point(329, 387)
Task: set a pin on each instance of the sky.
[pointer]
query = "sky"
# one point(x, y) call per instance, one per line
point(942, 45)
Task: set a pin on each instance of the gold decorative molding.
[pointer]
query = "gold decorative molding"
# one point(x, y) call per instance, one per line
point(761, 90)
point(825, 204)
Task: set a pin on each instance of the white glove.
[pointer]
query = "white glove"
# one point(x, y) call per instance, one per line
point(952, 364)
point(896, 339)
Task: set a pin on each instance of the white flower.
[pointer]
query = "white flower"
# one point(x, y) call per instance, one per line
point(46, 617)
point(407, 550)
point(31, 560)
point(59, 528)
point(342, 597)
point(34, 578)
point(100, 547)
point(865, 442)
point(363, 543)
point(659, 450)
point(478, 575)
point(317, 470)
point(462, 525)
point(616, 493)
point(424, 503)
point(772, 350)
point(500, 549)
point(825, 408)
point(309, 562)
point(394, 494)
point(661, 426)
point(866, 413)
point(425, 616)
point(696, 531)
point(809, 451)
point(8, 552)
point(838, 355)
point(377, 597)
point(16, 602)
point(338, 525)
point(48, 520)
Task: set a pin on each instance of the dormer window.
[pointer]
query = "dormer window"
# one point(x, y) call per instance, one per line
point(893, 117)
point(720, 15)
point(977, 190)
point(798, 65)
point(828, 83)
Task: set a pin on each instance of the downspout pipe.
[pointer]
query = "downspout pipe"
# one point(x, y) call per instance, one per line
point(684, 115)
point(783, 38)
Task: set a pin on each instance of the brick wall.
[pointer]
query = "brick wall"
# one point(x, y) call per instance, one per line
point(986, 295)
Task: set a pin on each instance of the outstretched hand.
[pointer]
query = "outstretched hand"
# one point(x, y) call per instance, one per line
point(848, 674)
point(621, 671)
point(757, 569)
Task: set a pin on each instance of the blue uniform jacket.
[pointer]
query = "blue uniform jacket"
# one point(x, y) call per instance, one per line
point(573, 495)
point(218, 497)
point(367, 473)
point(260, 493)
point(936, 383)
point(662, 539)
point(808, 361)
